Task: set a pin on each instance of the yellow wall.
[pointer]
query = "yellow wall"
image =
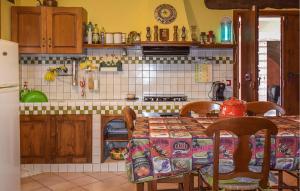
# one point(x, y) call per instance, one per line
point(5, 19)
point(205, 19)
point(128, 15)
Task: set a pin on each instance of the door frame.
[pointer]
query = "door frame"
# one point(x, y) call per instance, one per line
point(265, 13)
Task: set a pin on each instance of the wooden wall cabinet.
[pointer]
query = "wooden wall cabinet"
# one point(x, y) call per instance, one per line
point(48, 29)
point(56, 139)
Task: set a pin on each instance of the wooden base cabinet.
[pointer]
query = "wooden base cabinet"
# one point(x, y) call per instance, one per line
point(52, 30)
point(73, 139)
point(56, 139)
point(35, 139)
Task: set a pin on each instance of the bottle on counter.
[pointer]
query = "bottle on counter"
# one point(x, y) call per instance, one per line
point(96, 35)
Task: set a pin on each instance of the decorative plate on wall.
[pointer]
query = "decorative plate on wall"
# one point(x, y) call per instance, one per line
point(165, 13)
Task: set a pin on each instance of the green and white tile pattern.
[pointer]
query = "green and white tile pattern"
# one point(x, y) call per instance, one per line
point(96, 108)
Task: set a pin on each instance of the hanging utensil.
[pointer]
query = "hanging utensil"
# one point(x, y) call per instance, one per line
point(82, 84)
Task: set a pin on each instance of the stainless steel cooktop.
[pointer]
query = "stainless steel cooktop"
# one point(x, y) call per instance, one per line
point(165, 97)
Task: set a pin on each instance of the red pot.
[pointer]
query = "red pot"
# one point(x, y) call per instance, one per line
point(233, 108)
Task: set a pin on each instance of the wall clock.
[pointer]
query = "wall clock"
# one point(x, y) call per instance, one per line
point(165, 13)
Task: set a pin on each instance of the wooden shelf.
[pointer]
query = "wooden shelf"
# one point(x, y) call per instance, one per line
point(106, 45)
point(167, 43)
point(160, 43)
point(218, 45)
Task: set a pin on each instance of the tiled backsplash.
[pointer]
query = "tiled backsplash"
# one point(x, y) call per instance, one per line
point(140, 75)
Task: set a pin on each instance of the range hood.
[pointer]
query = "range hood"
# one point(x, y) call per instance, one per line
point(166, 50)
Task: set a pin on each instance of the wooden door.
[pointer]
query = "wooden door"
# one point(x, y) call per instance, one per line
point(35, 134)
point(73, 140)
point(273, 71)
point(246, 58)
point(29, 29)
point(290, 63)
point(65, 29)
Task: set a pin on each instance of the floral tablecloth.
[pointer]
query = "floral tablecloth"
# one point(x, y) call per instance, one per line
point(162, 147)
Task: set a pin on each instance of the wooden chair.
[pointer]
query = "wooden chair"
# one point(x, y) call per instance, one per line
point(129, 118)
point(282, 185)
point(200, 107)
point(243, 128)
point(185, 183)
point(262, 107)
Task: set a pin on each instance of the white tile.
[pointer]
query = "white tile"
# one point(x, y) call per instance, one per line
point(71, 167)
point(121, 166)
point(54, 168)
point(96, 167)
point(63, 168)
point(79, 168)
point(104, 167)
point(88, 168)
point(113, 167)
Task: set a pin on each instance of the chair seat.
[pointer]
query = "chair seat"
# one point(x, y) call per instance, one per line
point(239, 183)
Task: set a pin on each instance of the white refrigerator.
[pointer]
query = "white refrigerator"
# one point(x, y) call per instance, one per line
point(9, 117)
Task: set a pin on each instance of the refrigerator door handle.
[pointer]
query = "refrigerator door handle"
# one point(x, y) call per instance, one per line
point(8, 86)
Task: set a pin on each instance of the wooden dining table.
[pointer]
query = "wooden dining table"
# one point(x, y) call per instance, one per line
point(163, 147)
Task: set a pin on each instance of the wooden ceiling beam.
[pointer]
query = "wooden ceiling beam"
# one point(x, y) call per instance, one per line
point(247, 4)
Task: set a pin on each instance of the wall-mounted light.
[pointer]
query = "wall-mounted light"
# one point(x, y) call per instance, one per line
point(226, 30)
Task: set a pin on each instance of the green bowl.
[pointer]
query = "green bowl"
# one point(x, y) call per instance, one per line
point(34, 96)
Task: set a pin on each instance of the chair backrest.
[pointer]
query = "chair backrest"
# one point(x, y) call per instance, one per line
point(129, 118)
point(199, 107)
point(243, 128)
point(261, 107)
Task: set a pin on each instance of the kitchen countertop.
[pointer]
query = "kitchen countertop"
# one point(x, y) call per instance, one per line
point(98, 107)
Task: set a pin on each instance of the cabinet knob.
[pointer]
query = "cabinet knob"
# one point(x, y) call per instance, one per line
point(44, 42)
point(50, 42)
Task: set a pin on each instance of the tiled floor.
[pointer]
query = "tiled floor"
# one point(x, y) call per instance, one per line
point(86, 182)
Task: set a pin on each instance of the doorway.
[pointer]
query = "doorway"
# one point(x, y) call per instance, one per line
point(266, 66)
point(269, 59)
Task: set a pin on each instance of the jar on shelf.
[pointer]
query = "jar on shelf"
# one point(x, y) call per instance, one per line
point(123, 38)
point(194, 32)
point(226, 30)
point(203, 38)
point(211, 37)
point(117, 38)
point(109, 38)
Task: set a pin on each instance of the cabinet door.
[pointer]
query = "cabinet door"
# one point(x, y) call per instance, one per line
point(28, 28)
point(35, 134)
point(73, 139)
point(65, 29)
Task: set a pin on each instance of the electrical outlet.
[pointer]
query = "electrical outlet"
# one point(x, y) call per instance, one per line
point(228, 82)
